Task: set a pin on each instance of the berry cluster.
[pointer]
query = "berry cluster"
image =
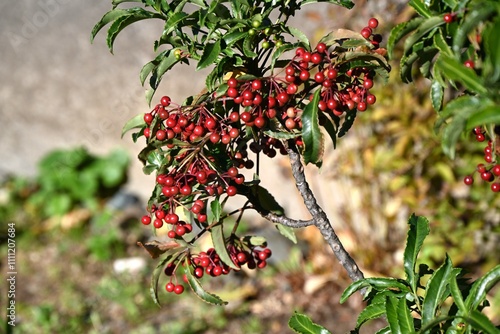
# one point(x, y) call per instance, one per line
point(198, 148)
point(209, 263)
point(491, 171)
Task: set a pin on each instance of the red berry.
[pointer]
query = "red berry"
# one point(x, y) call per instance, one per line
point(495, 187)
point(165, 101)
point(331, 73)
point(146, 220)
point(232, 92)
point(319, 77)
point(468, 180)
point(158, 223)
point(282, 98)
point(496, 170)
point(448, 18)
point(259, 122)
point(362, 106)
point(487, 176)
point(170, 287)
point(373, 23)
point(178, 289)
point(198, 272)
point(368, 83)
point(469, 63)
point(289, 70)
point(366, 32)
point(371, 99)
point(321, 47)
point(316, 58)
point(256, 84)
point(233, 83)
point(304, 75)
point(148, 118)
point(161, 134)
point(231, 191)
point(290, 124)
point(291, 89)
point(186, 190)
point(214, 137)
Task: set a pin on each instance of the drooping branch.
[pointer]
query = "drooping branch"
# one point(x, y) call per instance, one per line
point(320, 219)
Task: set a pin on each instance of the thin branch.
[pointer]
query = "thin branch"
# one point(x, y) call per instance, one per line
point(283, 220)
point(320, 218)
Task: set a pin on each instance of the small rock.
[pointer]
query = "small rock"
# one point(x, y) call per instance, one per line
point(133, 265)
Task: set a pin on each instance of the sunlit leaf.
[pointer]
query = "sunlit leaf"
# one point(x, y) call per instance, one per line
point(287, 232)
point(435, 291)
point(210, 54)
point(456, 71)
point(134, 123)
point(391, 311)
point(420, 8)
point(197, 288)
point(372, 311)
point(418, 231)
point(475, 16)
point(378, 283)
point(481, 287)
point(399, 32)
point(301, 323)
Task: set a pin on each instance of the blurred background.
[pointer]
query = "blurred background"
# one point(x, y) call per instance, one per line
point(75, 190)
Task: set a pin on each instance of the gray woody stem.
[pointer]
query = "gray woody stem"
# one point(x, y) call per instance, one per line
point(320, 219)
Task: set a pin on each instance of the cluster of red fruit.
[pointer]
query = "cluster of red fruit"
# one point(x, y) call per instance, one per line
point(490, 172)
point(201, 145)
point(209, 263)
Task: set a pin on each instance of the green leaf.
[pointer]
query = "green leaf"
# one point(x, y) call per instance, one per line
point(215, 211)
point(133, 123)
point(420, 8)
point(425, 30)
point(441, 44)
point(301, 323)
point(486, 115)
point(248, 47)
point(399, 32)
point(233, 37)
point(456, 71)
point(456, 293)
point(385, 330)
point(477, 16)
point(300, 36)
point(437, 94)
point(407, 62)
point(340, 36)
point(378, 283)
point(331, 129)
point(173, 22)
point(255, 240)
point(134, 15)
point(460, 109)
point(435, 291)
point(391, 310)
point(210, 54)
point(492, 50)
point(344, 3)
point(481, 322)
point(311, 133)
point(418, 230)
point(481, 287)
point(372, 311)
point(168, 257)
point(220, 245)
point(146, 70)
point(267, 201)
point(405, 319)
point(107, 18)
point(197, 288)
point(348, 122)
point(287, 232)
point(281, 134)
